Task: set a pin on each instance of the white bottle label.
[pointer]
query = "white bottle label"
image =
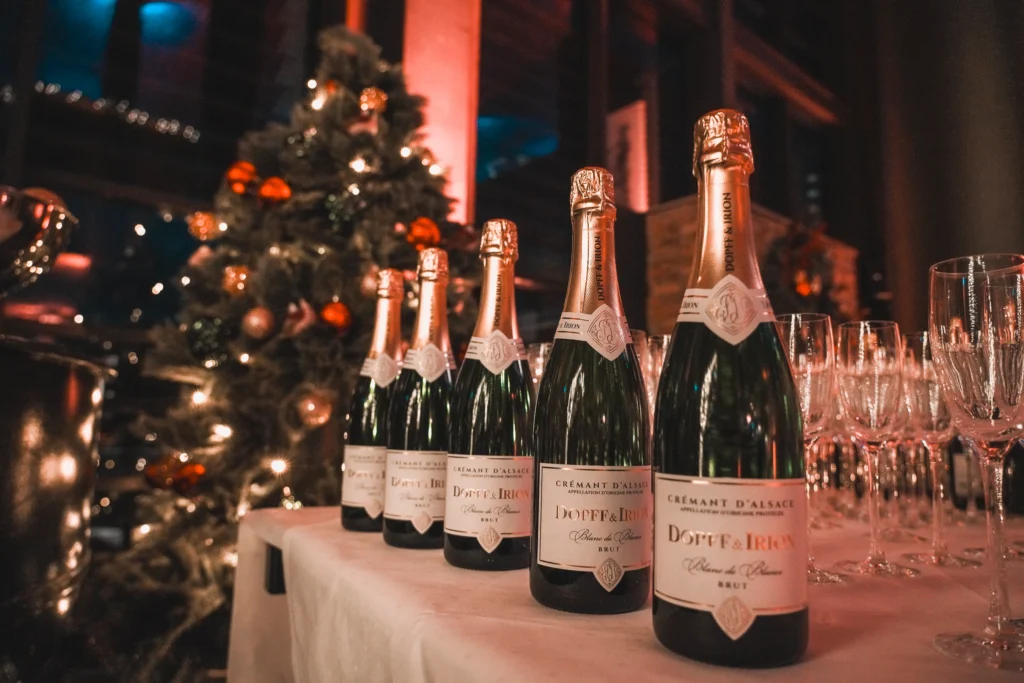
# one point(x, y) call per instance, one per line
point(430, 362)
point(496, 351)
point(605, 331)
point(730, 309)
point(383, 369)
point(362, 483)
point(734, 547)
point(595, 519)
point(489, 498)
point(414, 488)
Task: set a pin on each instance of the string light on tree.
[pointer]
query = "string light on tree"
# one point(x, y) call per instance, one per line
point(235, 279)
point(220, 433)
point(358, 165)
point(202, 225)
point(279, 466)
point(315, 408)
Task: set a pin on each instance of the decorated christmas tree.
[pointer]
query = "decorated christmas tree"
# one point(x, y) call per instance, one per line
point(277, 314)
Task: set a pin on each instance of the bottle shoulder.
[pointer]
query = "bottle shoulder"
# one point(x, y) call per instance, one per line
point(591, 410)
point(727, 408)
point(490, 412)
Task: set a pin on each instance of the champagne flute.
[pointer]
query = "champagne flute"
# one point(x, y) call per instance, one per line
point(932, 424)
point(975, 322)
point(657, 349)
point(807, 338)
point(869, 370)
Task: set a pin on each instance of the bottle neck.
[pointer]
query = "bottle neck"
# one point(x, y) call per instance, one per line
point(592, 277)
point(387, 330)
point(497, 299)
point(725, 229)
point(432, 317)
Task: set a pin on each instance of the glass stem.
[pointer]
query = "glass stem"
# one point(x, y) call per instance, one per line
point(894, 475)
point(808, 445)
point(938, 540)
point(999, 625)
point(972, 501)
point(875, 553)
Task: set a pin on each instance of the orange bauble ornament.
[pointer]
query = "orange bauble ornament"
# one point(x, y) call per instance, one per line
point(336, 314)
point(235, 280)
point(423, 233)
point(373, 100)
point(240, 176)
point(203, 226)
point(172, 473)
point(275, 190)
point(258, 322)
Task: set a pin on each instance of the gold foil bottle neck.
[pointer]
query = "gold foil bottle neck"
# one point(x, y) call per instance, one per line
point(390, 284)
point(433, 266)
point(593, 188)
point(720, 137)
point(500, 238)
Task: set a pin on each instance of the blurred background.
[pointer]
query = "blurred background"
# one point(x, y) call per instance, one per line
point(887, 136)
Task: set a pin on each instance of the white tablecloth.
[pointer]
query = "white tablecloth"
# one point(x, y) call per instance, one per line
point(359, 611)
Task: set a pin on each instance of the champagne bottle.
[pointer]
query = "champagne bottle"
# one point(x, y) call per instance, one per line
point(730, 512)
point(592, 513)
point(362, 481)
point(489, 503)
point(417, 428)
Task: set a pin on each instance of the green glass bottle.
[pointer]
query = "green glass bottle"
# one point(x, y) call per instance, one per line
point(362, 481)
point(417, 428)
point(592, 491)
point(730, 546)
point(489, 504)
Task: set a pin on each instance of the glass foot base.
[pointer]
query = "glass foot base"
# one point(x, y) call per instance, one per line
point(822, 577)
point(940, 560)
point(1010, 554)
point(1004, 654)
point(895, 535)
point(822, 523)
point(878, 568)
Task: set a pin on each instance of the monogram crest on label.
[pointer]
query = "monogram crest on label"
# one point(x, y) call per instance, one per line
point(734, 617)
point(430, 362)
point(605, 333)
point(422, 521)
point(608, 574)
point(732, 312)
point(373, 508)
point(384, 370)
point(489, 539)
point(496, 351)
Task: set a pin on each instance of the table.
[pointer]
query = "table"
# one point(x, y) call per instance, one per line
point(356, 610)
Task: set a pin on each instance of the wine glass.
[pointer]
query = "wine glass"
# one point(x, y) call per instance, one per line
point(932, 424)
point(869, 370)
point(808, 341)
point(537, 358)
point(657, 351)
point(975, 321)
